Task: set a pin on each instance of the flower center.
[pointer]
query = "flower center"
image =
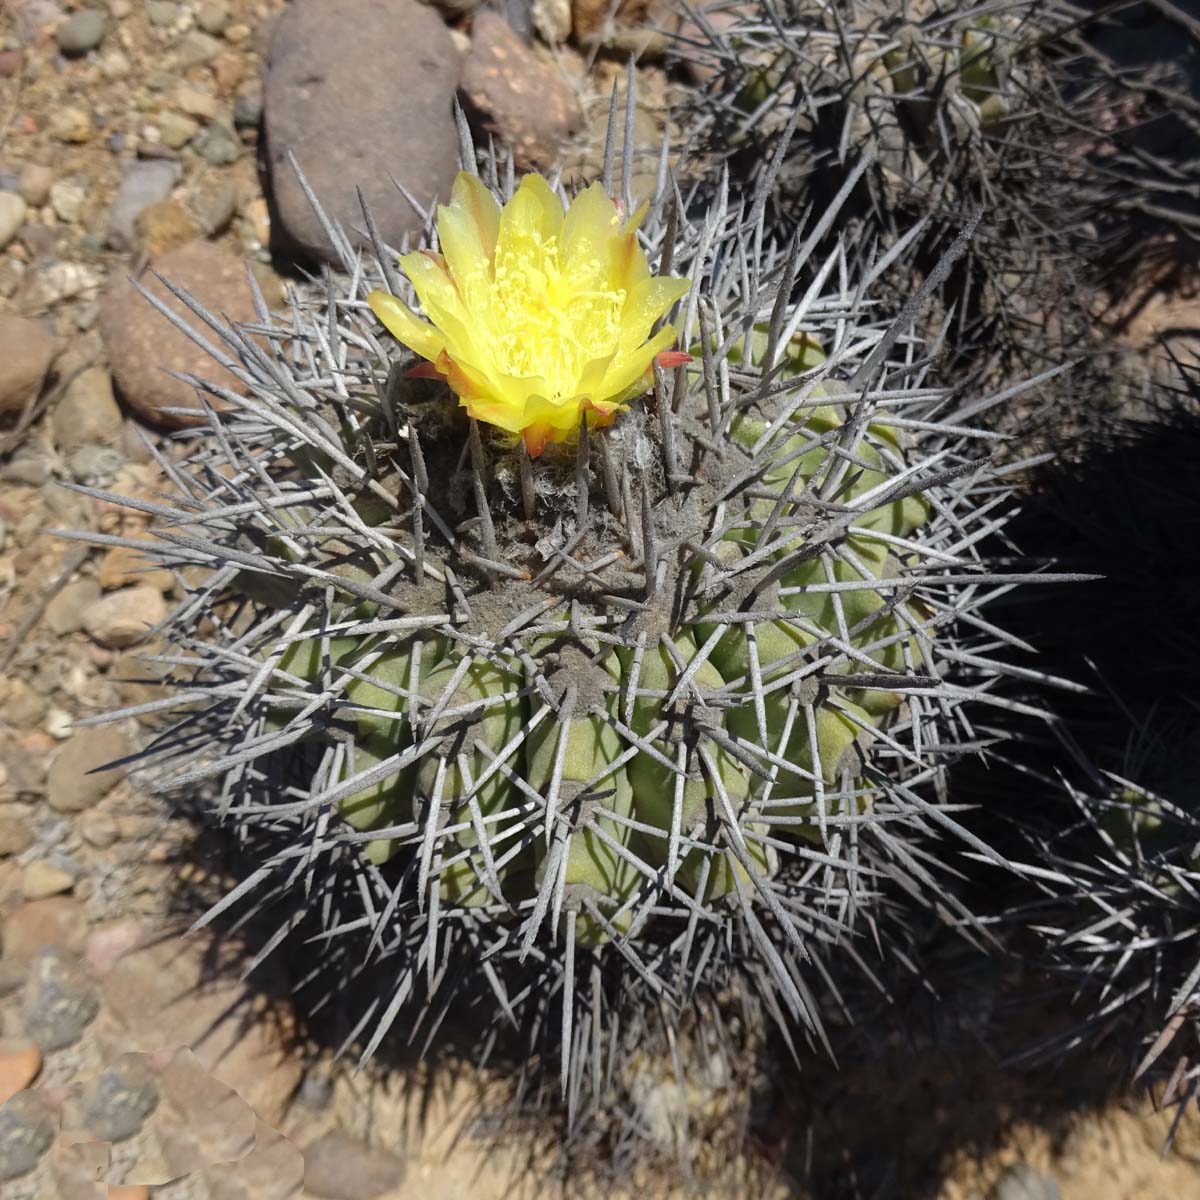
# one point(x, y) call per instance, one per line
point(547, 323)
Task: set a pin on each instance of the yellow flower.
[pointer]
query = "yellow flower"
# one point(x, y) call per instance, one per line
point(536, 316)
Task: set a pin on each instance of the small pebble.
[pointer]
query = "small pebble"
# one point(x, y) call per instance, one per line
point(258, 213)
point(340, 1167)
point(125, 618)
point(1023, 1182)
point(60, 1001)
point(197, 49)
point(98, 829)
point(72, 125)
point(59, 921)
point(176, 130)
point(196, 102)
point(162, 227)
point(41, 879)
point(142, 184)
point(88, 413)
point(20, 1062)
point(65, 613)
point(162, 12)
point(248, 106)
point(116, 1104)
point(26, 351)
point(115, 65)
point(27, 1131)
point(81, 32)
point(218, 145)
point(107, 944)
point(35, 184)
point(12, 216)
point(15, 835)
point(82, 773)
point(11, 62)
point(214, 207)
point(66, 198)
point(236, 34)
point(95, 466)
point(229, 69)
point(213, 16)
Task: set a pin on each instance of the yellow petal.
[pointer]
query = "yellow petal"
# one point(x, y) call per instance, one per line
point(434, 287)
point(467, 230)
point(588, 236)
point(629, 374)
point(529, 220)
point(398, 319)
point(649, 300)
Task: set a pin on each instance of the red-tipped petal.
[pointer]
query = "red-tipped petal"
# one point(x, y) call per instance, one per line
point(667, 359)
point(536, 437)
point(423, 370)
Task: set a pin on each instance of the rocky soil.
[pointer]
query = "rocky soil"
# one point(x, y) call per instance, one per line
point(133, 140)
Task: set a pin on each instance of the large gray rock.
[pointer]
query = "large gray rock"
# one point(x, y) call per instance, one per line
point(349, 125)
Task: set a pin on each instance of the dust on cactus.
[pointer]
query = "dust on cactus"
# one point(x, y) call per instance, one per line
point(607, 656)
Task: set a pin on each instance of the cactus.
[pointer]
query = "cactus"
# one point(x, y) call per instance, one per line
point(1115, 854)
point(549, 716)
point(1064, 133)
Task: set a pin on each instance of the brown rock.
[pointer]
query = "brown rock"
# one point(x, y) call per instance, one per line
point(196, 102)
point(20, 1062)
point(125, 618)
point(42, 879)
point(162, 227)
point(273, 1170)
point(56, 922)
point(522, 101)
point(36, 181)
point(143, 346)
point(26, 351)
point(88, 413)
point(107, 944)
point(137, 683)
point(122, 566)
point(203, 1120)
point(15, 835)
point(23, 707)
point(339, 1167)
point(65, 613)
point(349, 127)
point(184, 992)
point(78, 778)
point(229, 69)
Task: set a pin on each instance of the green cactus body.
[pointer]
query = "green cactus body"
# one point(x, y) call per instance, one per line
point(493, 725)
point(703, 805)
point(587, 746)
point(657, 644)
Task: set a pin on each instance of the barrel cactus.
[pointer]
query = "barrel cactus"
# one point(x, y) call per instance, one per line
point(582, 618)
